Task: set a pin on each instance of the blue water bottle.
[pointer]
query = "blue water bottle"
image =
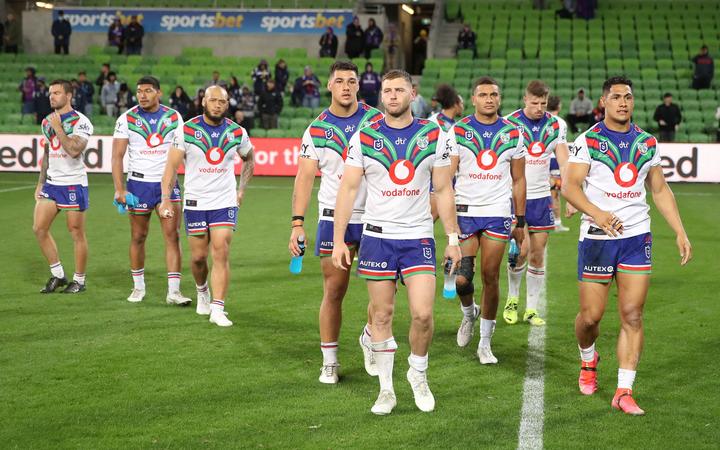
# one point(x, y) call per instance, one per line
point(449, 285)
point(513, 254)
point(296, 261)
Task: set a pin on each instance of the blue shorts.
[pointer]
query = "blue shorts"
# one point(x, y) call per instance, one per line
point(67, 198)
point(197, 222)
point(600, 259)
point(324, 237)
point(539, 215)
point(388, 259)
point(150, 195)
point(496, 228)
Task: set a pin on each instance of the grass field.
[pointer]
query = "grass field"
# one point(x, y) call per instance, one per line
point(94, 371)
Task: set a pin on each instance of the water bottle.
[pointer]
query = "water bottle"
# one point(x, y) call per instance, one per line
point(449, 285)
point(513, 254)
point(296, 261)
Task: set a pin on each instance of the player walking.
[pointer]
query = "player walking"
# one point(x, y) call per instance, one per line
point(492, 167)
point(63, 186)
point(397, 156)
point(323, 147)
point(208, 144)
point(145, 133)
point(609, 166)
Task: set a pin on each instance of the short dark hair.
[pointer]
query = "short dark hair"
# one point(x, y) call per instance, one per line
point(106, 65)
point(482, 81)
point(397, 73)
point(667, 94)
point(553, 103)
point(343, 65)
point(82, 72)
point(66, 85)
point(612, 81)
point(446, 95)
point(112, 74)
point(537, 88)
point(149, 79)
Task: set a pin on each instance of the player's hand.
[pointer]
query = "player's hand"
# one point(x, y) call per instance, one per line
point(294, 235)
point(341, 256)
point(609, 222)
point(570, 210)
point(683, 244)
point(120, 196)
point(453, 253)
point(55, 122)
point(167, 211)
point(519, 235)
point(240, 196)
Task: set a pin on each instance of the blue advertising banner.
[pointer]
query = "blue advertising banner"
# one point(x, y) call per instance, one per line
point(97, 20)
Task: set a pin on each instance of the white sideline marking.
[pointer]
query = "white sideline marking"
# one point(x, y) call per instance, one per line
point(532, 416)
point(19, 188)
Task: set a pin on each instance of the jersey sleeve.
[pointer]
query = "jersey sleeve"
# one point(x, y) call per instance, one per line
point(83, 128)
point(354, 153)
point(656, 160)
point(442, 150)
point(121, 128)
point(562, 131)
point(579, 152)
point(178, 140)
point(520, 151)
point(307, 149)
point(245, 145)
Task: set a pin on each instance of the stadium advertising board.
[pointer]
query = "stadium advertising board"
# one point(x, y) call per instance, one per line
point(279, 157)
point(97, 20)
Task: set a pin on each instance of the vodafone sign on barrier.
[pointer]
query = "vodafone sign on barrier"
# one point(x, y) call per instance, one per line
point(279, 157)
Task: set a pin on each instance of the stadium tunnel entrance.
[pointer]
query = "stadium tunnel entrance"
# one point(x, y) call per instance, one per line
point(414, 21)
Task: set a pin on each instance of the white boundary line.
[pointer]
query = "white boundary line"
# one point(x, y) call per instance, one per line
point(19, 188)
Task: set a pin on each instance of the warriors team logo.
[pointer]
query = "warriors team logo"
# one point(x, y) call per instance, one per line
point(422, 142)
point(536, 149)
point(504, 138)
point(626, 174)
point(642, 148)
point(402, 171)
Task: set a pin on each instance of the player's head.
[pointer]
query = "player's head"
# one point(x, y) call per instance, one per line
point(618, 99)
point(447, 97)
point(535, 99)
point(397, 92)
point(667, 99)
point(215, 103)
point(148, 92)
point(486, 96)
point(343, 83)
point(704, 50)
point(61, 92)
point(554, 104)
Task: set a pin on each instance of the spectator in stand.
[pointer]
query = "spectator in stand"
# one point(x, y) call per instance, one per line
point(2, 36)
point(467, 40)
point(196, 107)
point(296, 95)
point(61, 31)
point(134, 34)
point(234, 91)
point(270, 104)
point(79, 100)
point(328, 44)
point(42, 101)
point(420, 45)
point(103, 77)
point(704, 69)
point(581, 109)
point(115, 35)
point(88, 91)
point(27, 87)
point(393, 49)
point(108, 95)
point(717, 117)
point(215, 80)
point(13, 34)
point(419, 106)
point(282, 75)
point(373, 38)
point(598, 112)
point(370, 85)
point(668, 117)
point(354, 39)
point(245, 113)
point(311, 89)
point(125, 99)
point(180, 102)
point(260, 76)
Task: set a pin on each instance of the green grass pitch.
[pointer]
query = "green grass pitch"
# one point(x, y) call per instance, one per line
point(94, 371)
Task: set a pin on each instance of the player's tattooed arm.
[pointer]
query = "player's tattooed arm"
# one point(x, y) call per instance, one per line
point(73, 145)
point(246, 173)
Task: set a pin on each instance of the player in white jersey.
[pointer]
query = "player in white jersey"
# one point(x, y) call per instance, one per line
point(452, 106)
point(145, 133)
point(609, 167)
point(553, 107)
point(492, 168)
point(545, 136)
point(397, 156)
point(63, 186)
point(324, 147)
point(208, 145)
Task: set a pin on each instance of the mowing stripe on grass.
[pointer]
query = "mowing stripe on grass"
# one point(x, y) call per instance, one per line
point(532, 416)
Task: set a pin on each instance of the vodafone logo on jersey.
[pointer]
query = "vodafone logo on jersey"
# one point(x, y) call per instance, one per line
point(536, 149)
point(626, 174)
point(402, 171)
point(154, 140)
point(487, 159)
point(54, 143)
point(215, 155)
